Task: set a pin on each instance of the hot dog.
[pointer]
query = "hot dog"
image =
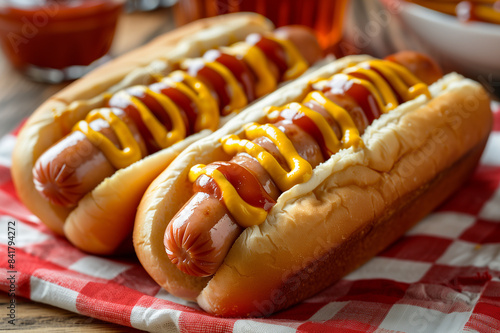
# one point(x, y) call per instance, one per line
point(287, 199)
point(92, 165)
point(186, 235)
point(63, 184)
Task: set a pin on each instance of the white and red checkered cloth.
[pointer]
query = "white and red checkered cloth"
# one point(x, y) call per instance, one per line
point(442, 276)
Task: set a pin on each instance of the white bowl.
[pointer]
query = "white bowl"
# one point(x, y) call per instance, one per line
point(471, 48)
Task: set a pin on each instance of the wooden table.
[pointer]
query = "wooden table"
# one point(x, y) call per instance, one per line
point(19, 97)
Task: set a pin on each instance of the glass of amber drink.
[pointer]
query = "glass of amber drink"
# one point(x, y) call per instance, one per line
point(325, 17)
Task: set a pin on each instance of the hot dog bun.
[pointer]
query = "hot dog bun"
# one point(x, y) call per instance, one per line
point(354, 205)
point(112, 204)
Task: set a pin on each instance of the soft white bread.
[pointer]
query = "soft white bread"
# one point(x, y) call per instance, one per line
point(355, 204)
point(115, 200)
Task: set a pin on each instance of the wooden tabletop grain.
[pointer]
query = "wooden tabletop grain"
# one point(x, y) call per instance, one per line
point(19, 97)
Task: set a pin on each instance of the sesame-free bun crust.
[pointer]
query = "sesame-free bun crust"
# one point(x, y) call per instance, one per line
point(355, 204)
point(108, 211)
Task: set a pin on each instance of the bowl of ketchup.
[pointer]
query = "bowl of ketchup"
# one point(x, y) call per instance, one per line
point(57, 40)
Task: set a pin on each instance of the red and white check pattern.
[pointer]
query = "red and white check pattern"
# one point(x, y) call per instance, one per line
point(442, 276)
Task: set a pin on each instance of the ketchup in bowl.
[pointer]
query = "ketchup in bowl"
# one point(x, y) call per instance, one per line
point(55, 40)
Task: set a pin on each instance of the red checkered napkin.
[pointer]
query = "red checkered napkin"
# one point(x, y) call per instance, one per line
point(442, 276)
